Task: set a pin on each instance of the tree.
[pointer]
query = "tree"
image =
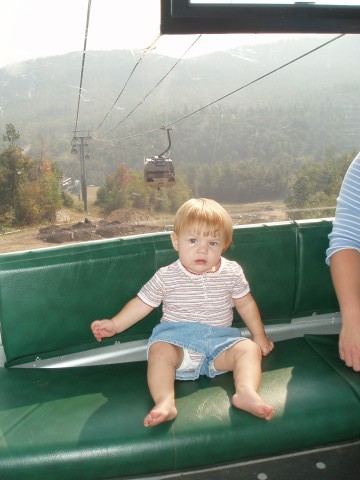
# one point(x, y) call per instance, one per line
point(11, 134)
point(315, 186)
point(114, 193)
point(13, 170)
point(127, 188)
point(29, 190)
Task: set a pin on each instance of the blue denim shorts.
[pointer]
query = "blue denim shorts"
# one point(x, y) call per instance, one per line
point(206, 340)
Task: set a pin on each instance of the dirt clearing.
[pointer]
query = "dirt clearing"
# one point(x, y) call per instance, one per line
point(73, 226)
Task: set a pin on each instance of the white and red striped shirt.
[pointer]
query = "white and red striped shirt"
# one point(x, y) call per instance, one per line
point(188, 297)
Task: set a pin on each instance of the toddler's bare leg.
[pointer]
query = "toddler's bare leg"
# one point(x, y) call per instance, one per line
point(164, 359)
point(244, 360)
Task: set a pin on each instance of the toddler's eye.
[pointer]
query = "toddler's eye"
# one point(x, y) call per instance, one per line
point(214, 244)
point(192, 241)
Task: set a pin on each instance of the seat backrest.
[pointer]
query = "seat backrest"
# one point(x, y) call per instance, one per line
point(49, 297)
point(267, 254)
point(315, 293)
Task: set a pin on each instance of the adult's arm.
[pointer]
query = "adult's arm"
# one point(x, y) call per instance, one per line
point(345, 272)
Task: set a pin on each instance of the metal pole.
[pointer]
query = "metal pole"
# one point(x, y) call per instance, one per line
point(83, 176)
point(78, 141)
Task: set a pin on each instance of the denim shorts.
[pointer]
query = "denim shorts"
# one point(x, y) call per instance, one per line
point(206, 340)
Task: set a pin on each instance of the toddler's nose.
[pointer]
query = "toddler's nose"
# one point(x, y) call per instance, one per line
point(203, 246)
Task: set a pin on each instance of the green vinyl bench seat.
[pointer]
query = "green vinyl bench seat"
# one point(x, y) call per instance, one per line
point(89, 420)
point(86, 422)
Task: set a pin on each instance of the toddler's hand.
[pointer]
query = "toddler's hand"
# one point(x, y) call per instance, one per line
point(103, 329)
point(265, 344)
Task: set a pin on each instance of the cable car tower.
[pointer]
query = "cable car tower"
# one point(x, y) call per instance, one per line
point(159, 170)
point(80, 140)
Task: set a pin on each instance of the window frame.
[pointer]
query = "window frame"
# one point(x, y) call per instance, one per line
point(182, 17)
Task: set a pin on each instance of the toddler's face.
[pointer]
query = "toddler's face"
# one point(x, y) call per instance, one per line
point(199, 252)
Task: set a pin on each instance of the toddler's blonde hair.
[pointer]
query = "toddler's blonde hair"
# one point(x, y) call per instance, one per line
point(207, 216)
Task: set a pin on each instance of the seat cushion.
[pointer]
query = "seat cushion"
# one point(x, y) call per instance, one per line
point(88, 421)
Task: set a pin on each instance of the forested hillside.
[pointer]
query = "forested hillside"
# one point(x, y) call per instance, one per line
point(242, 148)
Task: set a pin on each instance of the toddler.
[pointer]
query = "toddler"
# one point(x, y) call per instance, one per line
point(195, 337)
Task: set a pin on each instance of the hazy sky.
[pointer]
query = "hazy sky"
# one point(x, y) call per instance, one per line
point(39, 28)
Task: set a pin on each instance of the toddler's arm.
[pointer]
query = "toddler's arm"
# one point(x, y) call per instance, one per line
point(131, 313)
point(249, 312)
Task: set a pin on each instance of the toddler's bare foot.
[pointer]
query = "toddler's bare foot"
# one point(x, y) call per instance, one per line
point(250, 401)
point(159, 414)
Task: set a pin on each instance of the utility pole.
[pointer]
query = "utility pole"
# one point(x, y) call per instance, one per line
point(80, 141)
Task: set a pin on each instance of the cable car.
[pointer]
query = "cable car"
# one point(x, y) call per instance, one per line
point(159, 172)
point(159, 169)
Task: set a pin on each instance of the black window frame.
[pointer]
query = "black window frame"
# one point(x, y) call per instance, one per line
point(182, 17)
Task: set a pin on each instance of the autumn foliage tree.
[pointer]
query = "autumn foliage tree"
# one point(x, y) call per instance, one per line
point(39, 196)
point(126, 188)
point(29, 190)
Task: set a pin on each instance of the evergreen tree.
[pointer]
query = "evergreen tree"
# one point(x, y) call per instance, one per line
point(314, 187)
point(11, 134)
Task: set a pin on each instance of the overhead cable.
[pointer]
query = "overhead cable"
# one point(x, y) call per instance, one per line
point(152, 90)
point(236, 90)
point(257, 79)
point(83, 65)
point(149, 48)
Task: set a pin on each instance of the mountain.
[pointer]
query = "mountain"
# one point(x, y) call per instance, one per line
point(224, 106)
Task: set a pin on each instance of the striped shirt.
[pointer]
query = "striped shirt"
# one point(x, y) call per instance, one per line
point(346, 228)
point(188, 297)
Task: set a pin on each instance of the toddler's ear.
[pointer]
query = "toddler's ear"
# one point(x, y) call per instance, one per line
point(174, 240)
